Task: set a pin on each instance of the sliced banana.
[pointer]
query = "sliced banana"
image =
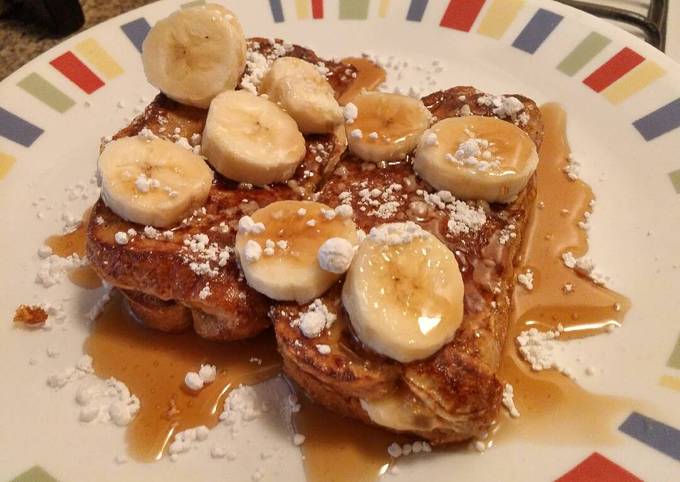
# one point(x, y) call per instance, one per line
point(387, 126)
point(402, 411)
point(477, 157)
point(304, 93)
point(250, 139)
point(152, 182)
point(279, 257)
point(404, 292)
point(195, 53)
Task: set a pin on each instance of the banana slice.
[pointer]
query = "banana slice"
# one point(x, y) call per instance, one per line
point(152, 182)
point(476, 157)
point(278, 248)
point(387, 126)
point(250, 139)
point(304, 93)
point(404, 292)
point(195, 53)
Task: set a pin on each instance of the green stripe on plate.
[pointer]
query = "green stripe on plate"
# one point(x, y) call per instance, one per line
point(45, 92)
point(353, 9)
point(675, 179)
point(34, 474)
point(583, 53)
point(674, 360)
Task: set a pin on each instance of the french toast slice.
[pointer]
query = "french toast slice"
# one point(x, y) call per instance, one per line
point(164, 280)
point(454, 394)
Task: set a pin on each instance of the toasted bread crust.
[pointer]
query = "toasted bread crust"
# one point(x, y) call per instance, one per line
point(159, 283)
point(456, 389)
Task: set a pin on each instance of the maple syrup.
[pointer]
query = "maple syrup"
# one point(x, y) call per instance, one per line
point(369, 77)
point(338, 449)
point(75, 243)
point(560, 296)
point(153, 365)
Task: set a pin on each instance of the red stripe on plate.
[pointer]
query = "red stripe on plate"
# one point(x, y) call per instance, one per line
point(77, 72)
point(461, 14)
point(597, 468)
point(615, 68)
point(317, 8)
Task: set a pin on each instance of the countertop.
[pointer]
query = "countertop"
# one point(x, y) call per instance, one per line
point(21, 41)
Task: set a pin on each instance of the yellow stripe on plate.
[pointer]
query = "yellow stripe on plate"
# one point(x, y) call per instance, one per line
point(670, 382)
point(302, 9)
point(383, 8)
point(95, 54)
point(6, 163)
point(633, 82)
point(499, 16)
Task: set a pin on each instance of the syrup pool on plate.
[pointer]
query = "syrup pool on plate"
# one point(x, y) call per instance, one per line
point(74, 243)
point(153, 365)
point(560, 296)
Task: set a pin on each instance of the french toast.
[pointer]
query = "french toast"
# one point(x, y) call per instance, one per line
point(190, 276)
point(155, 274)
point(454, 394)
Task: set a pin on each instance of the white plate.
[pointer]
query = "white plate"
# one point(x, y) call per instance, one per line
point(634, 235)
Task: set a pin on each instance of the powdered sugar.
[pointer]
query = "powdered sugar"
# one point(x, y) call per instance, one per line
point(350, 112)
point(82, 368)
point(203, 256)
point(383, 204)
point(464, 217)
point(53, 268)
point(335, 255)
point(572, 168)
point(397, 233)
point(526, 279)
point(542, 350)
point(474, 153)
point(583, 265)
point(504, 107)
point(246, 225)
point(316, 319)
point(258, 64)
point(509, 400)
point(107, 401)
point(252, 251)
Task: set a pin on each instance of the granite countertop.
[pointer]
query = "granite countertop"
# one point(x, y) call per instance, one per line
point(21, 41)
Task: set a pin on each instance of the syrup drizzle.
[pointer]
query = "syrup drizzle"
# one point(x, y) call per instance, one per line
point(550, 399)
point(369, 77)
point(153, 364)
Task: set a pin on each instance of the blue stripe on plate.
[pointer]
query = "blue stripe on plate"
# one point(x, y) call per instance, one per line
point(416, 10)
point(654, 434)
point(660, 121)
point(537, 30)
point(18, 130)
point(136, 31)
point(277, 10)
